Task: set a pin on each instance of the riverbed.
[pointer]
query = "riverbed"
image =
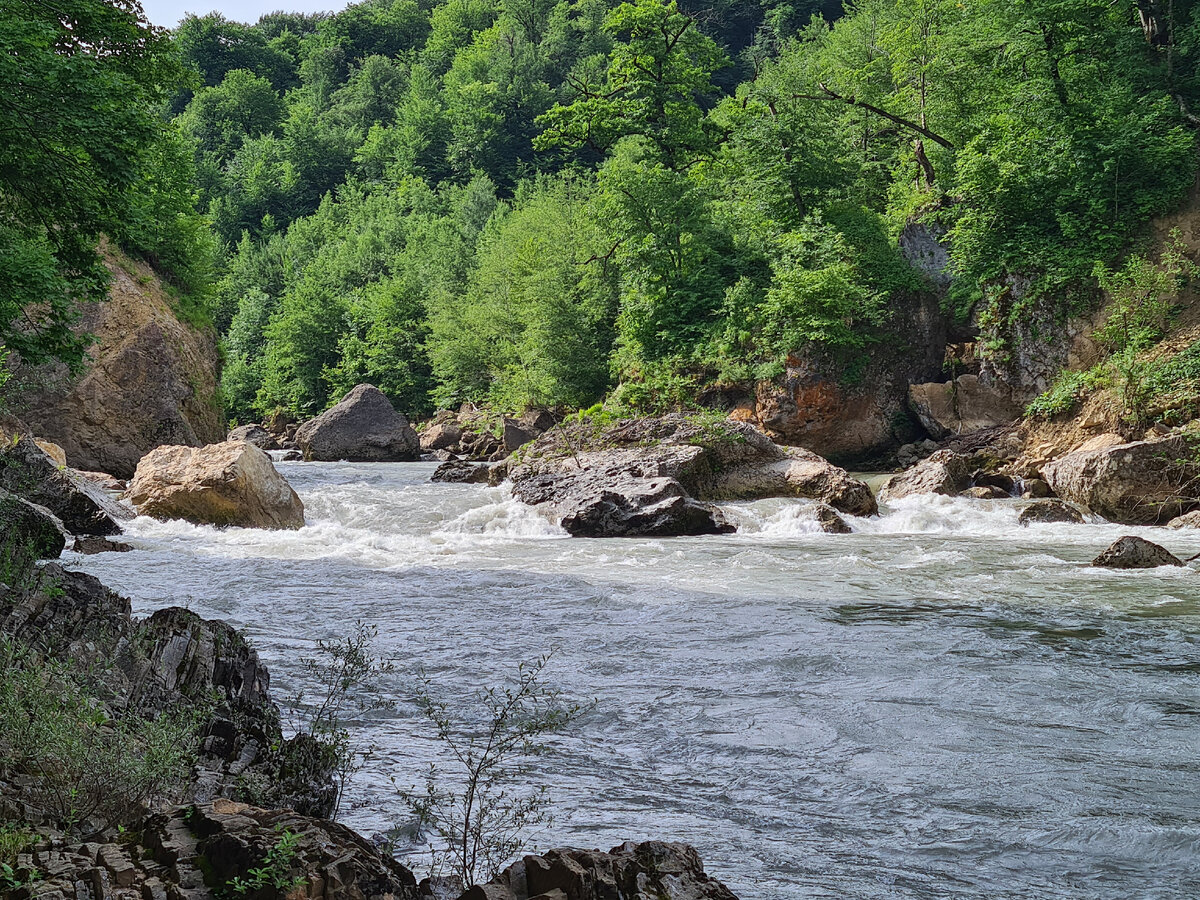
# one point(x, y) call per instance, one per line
point(941, 704)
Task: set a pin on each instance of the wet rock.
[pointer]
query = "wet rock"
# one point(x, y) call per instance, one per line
point(363, 427)
point(253, 434)
point(225, 484)
point(830, 521)
point(1138, 483)
point(1135, 553)
point(82, 507)
point(962, 406)
point(1045, 512)
point(635, 507)
point(982, 492)
point(90, 545)
point(292, 455)
point(651, 870)
point(1004, 484)
point(440, 437)
point(1188, 520)
point(461, 472)
point(945, 472)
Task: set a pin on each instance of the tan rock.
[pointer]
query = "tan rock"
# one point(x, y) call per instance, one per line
point(1188, 520)
point(441, 436)
point(962, 406)
point(945, 472)
point(53, 451)
point(233, 483)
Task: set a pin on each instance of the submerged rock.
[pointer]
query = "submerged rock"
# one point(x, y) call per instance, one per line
point(83, 508)
point(652, 870)
point(945, 472)
point(830, 521)
point(1050, 512)
point(363, 427)
point(1135, 553)
point(1138, 483)
point(233, 483)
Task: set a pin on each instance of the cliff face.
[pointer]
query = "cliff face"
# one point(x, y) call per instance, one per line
point(151, 380)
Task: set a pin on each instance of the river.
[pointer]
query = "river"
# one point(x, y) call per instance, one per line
point(942, 704)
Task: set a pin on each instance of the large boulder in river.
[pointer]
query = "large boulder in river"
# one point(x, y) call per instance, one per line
point(1138, 483)
point(945, 472)
point(150, 379)
point(1049, 512)
point(82, 507)
point(652, 870)
point(1135, 553)
point(233, 483)
point(362, 428)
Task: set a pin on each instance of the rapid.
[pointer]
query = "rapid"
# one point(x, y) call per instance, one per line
point(942, 704)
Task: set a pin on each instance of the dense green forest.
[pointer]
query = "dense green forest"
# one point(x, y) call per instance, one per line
point(549, 202)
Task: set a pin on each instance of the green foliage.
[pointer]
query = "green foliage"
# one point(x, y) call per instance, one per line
point(1143, 297)
point(1069, 389)
point(274, 872)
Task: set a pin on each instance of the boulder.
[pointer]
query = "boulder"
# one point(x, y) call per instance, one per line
point(830, 521)
point(83, 508)
point(91, 545)
point(517, 435)
point(1035, 489)
point(986, 492)
point(102, 480)
point(28, 532)
point(1188, 520)
point(962, 406)
point(253, 434)
point(945, 472)
point(634, 507)
point(150, 379)
point(1135, 553)
point(1138, 483)
point(460, 472)
point(1045, 512)
point(55, 452)
point(363, 427)
point(233, 483)
point(440, 437)
point(652, 870)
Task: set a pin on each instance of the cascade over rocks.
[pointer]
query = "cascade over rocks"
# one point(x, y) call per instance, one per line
point(233, 483)
point(82, 507)
point(1049, 512)
point(1138, 483)
point(1135, 553)
point(651, 870)
point(151, 379)
point(363, 427)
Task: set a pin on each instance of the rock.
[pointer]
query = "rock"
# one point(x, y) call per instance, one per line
point(517, 435)
point(27, 533)
point(1188, 520)
point(362, 428)
point(711, 460)
point(460, 472)
point(253, 434)
point(440, 437)
point(830, 521)
point(81, 506)
point(102, 480)
point(962, 406)
point(1135, 553)
point(1139, 483)
point(986, 492)
point(55, 452)
point(636, 507)
point(945, 472)
point(996, 481)
point(233, 483)
point(1049, 512)
point(651, 870)
point(91, 545)
point(538, 421)
point(150, 379)
point(291, 456)
point(1035, 489)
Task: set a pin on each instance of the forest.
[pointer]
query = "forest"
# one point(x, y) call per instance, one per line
point(557, 203)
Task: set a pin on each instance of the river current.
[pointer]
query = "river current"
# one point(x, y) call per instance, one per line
point(942, 704)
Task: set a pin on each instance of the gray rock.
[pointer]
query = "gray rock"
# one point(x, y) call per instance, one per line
point(1135, 553)
point(651, 870)
point(830, 521)
point(1036, 489)
point(363, 427)
point(461, 472)
point(90, 545)
point(945, 472)
point(517, 435)
point(657, 507)
point(253, 434)
point(1045, 512)
point(28, 532)
point(440, 437)
point(81, 506)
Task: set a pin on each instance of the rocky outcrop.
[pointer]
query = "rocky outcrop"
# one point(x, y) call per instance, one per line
point(83, 508)
point(651, 870)
point(1188, 520)
point(150, 379)
point(1135, 553)
point(1138, 483)
point(945, 472)
point(253, 434)
point(233, 483)
point(1048, 512)
point(363, 427)
point(962, 406)
point(27, 533)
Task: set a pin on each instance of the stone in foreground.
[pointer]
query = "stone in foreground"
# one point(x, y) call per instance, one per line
point(652, 870)
point(1047, 512)
point(233, 483)
point(362, 428)
point(1135, 553)
point(1138, 483)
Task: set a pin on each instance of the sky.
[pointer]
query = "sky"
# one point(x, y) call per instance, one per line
point(168, 12)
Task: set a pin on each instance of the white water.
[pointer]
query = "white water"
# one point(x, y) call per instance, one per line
point(942, 704)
